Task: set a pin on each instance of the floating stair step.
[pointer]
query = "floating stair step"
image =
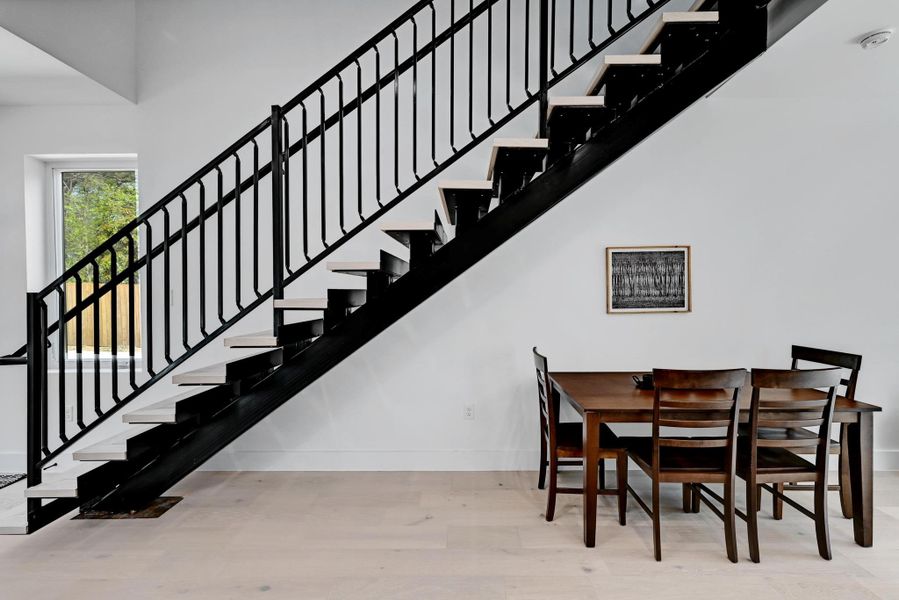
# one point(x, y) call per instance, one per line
point(231, 371)
point(290, 333)
point(619, 61)
point(301, 303)
point(111, 449)
point(465, 201)
point(513, 162)
point(171, 410)
point(572, 119)
point(686, 17)
point(345, 298)
point(422, 238)
point(65, 482)
point(388, 264)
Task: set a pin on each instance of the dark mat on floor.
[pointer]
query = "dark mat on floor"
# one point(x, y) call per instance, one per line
point(158, 508)
point(10, 478)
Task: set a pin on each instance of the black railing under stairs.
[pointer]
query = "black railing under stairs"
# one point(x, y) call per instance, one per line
point(432, 85)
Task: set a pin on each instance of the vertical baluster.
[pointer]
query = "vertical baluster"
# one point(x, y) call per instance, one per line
point(202, 261)
point(238, 266)
point(98, 407)
point(415, 99)
point(433, 85)
point(220, 244)
point(276, 123)
point(543, 74)
point(609, 20)
point(396, 111)
point(590, 25)
point(552, 42)
point(378, 126)
point(571, 32)
point(527, 47)
point(61, 358)
point(490, 63)
point(148, 294)
point(305, 167)
point(167, 286)
point(185, 339)
point(114, 321)
point(132, 373)
point(79, 348)
point(321, 137)
point(452, 81)
point(340, 182)
point(256, 219)
point(44, 342)
point(508, 54)
point(629, 10)
point(471, 69)
point(34, 408)
point(359, 140)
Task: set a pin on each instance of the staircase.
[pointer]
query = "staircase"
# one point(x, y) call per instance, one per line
point(301, 198)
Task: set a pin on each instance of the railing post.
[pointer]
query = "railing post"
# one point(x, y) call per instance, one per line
point(544, 66)
point(35, 354)
point(277, 217)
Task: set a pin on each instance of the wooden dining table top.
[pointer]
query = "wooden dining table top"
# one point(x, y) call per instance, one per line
point(614, 393)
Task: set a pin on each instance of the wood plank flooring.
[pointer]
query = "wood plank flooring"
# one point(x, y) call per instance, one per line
point(433, 536)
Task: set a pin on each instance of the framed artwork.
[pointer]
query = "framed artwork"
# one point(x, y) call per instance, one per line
point(644, 279)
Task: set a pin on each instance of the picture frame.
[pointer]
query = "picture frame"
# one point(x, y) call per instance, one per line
point(648, 279)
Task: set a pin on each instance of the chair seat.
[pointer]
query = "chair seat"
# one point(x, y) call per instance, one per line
point(673, 460)
point(780, 433)
point(570, 439)
point(775, 465)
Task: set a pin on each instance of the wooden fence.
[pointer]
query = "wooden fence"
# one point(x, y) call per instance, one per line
point(106, 333)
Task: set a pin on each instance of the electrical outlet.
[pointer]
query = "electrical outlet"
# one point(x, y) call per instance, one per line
point(69, 417)
point(468, 412)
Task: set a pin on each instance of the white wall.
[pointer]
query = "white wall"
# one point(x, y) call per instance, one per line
point(767, 190)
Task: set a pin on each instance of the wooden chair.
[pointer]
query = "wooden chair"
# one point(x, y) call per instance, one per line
point(562, 444)
point(831, 358)
point(778, 404)
point(686, 401)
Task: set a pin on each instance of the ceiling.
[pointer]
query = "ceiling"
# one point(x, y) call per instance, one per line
point(29, 76)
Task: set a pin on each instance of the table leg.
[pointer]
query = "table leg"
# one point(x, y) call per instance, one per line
point(861, 473)
point(591, 458)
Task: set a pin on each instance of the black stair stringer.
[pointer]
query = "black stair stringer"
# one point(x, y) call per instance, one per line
point(522, 208)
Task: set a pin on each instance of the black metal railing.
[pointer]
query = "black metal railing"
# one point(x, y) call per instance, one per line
point(403, 107)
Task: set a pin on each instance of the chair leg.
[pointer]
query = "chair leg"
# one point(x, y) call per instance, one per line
point(621, 476)
point(541, 481)
point(822, 533)
point(656, 522)
point(752, 520)
point(730, 521)
point(697, 494)
point(687, 497)
point(551, 492)
point(845, 485)
point(777, 505)
point(602, 474)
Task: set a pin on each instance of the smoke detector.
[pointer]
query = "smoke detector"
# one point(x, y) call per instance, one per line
point(875, 39)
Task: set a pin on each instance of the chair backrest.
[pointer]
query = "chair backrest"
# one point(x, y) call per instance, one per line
point(831, 358)
point(689, 400)
point(792, 399)
point(549, 417)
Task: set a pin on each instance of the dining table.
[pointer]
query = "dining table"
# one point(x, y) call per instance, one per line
point(612, 397)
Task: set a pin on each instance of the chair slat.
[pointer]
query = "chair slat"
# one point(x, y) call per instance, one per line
point(765, 443)
point(693, 442)
point(699, 405)
point(694, 423)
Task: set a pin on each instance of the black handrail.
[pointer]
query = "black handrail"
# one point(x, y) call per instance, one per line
point(205, 196)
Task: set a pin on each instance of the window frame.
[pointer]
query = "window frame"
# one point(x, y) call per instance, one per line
point(55, 170)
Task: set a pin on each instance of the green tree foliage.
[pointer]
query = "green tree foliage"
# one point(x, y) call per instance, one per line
point(96, 204)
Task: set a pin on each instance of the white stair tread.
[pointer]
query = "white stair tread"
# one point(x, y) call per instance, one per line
point(261, 339)
point(302, 303)
point(621, 59)
point(575, 102)
point(464, 184)
point(498, 143)
point(359, 265)
point(60, 484)
point(159, 412)
point(114, 448)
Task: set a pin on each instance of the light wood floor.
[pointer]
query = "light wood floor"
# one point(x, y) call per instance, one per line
point(431, 536)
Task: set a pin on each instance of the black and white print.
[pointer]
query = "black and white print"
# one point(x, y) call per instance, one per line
point(648, 279)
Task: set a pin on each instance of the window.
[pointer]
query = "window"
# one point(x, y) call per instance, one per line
point(92, 202)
